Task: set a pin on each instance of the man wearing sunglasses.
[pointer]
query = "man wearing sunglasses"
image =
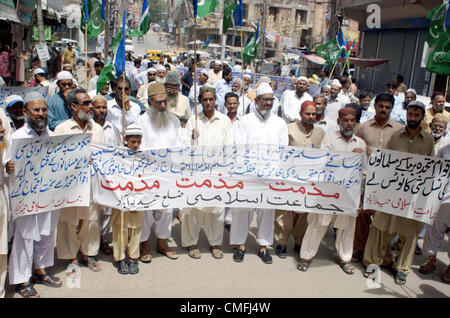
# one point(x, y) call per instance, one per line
point(116, 105)
point(58, 108)
point(78, 227)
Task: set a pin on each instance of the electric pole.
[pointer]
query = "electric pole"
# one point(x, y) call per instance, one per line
point(263, 32)
point(107, 25)
point(40, 25)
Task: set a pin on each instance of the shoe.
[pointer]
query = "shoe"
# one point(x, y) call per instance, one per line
point(281, 251)
point(122, 267)
point(265, 256)
point(429, 266)
point(133, 267)
point(297, 248)
point(238, 255)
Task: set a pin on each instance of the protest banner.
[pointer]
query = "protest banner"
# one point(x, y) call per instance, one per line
point(50, 173)
point(6, 91)
point(405, 184)
point(245, 176)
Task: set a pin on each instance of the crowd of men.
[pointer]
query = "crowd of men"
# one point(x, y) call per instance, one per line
point(159, 111)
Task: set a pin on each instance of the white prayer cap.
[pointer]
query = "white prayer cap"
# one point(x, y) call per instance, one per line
point(204, 72)
point(218, 62)
point(327, 86)
point(133, 130)
point(412, 90)
point(159, 67)
point(302, 78)
point(39, 71)
point(64, 75)
point(12, 99)
point(32, 97)
point(247, 76)
point(337, 83)
point(151, 69)
point(263, 88)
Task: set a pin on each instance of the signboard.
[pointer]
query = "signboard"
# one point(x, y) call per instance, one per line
point(42, 51)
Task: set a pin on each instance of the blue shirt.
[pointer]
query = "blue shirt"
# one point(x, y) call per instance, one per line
point(58, 110)
point(222, 88)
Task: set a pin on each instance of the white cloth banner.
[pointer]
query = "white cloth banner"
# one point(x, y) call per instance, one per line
point(252, 176)
point(50, 173)
point(405, 184)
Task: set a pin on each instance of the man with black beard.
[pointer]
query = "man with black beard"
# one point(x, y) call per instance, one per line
point(364, 103)
point(161, 129)
point(78, 228)
point(411, 139)
point(292, 100)
point(33, 234)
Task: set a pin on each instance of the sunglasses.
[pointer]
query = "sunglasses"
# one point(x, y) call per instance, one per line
point(121, 88)
point(85, 103)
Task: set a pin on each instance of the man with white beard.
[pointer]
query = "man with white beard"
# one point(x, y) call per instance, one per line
point(3, 217)
point(161, 129)
point(260, 126)
point(78, 228)
point(177, 103)
point(161, 73)
point(33, 234)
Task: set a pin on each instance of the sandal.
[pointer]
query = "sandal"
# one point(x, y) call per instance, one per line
point(145, 252)
point(303, 264)
point(347, 267)
point(91, 263)
point(429, 266)
point(47, 280)
point(446, 276)
point(194, 252)
point(165, 250)
point(216, 252)
point(26, 290)
point(399, 278)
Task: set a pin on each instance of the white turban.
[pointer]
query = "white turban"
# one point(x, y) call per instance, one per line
point(336, 82)
point(302, 78)
point(247, 76)
point(263, 88)
point(204, 72)
point(159, 67)
point(412, 90)
point(219, 62)
point(64, 75)
point(151, 69)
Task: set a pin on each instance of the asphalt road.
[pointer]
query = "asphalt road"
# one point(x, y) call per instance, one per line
point(208, 277)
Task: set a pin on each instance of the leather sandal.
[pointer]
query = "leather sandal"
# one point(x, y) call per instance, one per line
point(91, 263)
point(26, 290)
point(47, 280)
point(216, 252)
point(146, 257)
point(166, 251)
point(194, 252)
point(429, 266)
point(347, 267)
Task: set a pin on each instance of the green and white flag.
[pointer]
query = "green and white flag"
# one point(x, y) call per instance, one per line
point(144, 24)
point(329, 51)
point(251, 50)
point(230, 6)
point(206, 7)
point(106, 76)
point(439, 40)
point(95, 24)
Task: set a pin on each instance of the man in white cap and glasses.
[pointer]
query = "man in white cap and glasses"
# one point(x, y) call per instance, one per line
point(335, 102)
point(142, 94)
point(14, 110)
point(161, 73)
point(193, 95)
point(78, 228)
point(215, 74)
point(292, 100)
point(58, 109)
point(33, 234)
point(258, 127)
point(177, 103)
point(161, 129)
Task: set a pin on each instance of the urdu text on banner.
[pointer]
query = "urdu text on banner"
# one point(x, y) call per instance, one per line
point(243, 176)
point(50, 173)
point(405, 184)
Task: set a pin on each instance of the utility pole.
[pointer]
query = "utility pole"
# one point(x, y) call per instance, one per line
point(107, 24)
point(40, 25)
point(263, 32)
point(223, 36)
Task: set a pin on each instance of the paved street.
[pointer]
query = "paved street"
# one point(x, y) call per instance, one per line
point(208, 277)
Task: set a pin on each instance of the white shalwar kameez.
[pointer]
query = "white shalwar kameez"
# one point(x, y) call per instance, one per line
point(254, 129)
point(156, 138)
point(345, 224)
point(217, 131)
point(3, 233)
point(33, 234)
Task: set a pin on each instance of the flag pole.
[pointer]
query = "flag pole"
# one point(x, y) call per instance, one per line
point(195, 70)
point(332, 71)
point(242, 78)
point(123, 136)
point(446, 89)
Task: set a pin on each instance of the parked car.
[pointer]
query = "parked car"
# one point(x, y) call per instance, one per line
point(129, 47)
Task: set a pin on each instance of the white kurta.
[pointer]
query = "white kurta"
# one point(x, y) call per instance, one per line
point(3, 234)
point(142, 94)
point(318, 223)
point(114, 114)
point(255, 129)
point(222, 88)
point(33, 234)
point(291, 104)
point(155, 138)
point(215, 131)
point(333, 106)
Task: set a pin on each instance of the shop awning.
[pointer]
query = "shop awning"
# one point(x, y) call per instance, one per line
point(364, 63)
point(8, 11)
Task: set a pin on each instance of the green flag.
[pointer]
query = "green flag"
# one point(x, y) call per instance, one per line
point(439, 42)
point(251, 50)
point(230, 6)
point(106, 75)
point(95, 24)
point(329, 51)
point(144, 24)
point(116, 40)
point(206, 7)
